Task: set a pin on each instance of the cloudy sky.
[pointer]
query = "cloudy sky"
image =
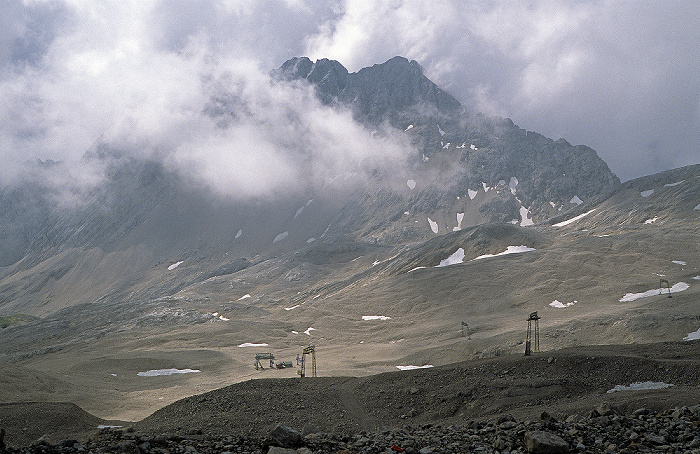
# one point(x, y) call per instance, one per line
point(622, 77)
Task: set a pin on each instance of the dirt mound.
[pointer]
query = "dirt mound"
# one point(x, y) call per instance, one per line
point(26, 422)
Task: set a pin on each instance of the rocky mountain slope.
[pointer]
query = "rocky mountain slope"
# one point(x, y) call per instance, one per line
point(151, 272)
point(114, 240)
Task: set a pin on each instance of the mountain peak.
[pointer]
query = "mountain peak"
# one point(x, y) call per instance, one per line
point(382, 92)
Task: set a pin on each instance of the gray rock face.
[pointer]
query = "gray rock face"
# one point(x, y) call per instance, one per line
point(552, 176)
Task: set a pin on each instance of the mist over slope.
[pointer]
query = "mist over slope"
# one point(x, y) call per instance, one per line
point(414, 164)
point(390, 215)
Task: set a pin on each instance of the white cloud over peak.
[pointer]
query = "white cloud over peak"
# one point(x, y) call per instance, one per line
point(620, 77)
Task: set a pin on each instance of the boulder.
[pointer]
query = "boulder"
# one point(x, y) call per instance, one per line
point(285, 436)
point(540, 442)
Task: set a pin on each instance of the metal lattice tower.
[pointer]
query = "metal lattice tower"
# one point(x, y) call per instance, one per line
point(529, 338)
point(668, 286)
point(465, 324)
point(259, 356)
point(310, 350)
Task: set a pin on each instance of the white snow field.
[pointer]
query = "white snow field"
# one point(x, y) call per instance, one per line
point(411, 184)
point(375, 317)
point(524, 219)
point(433, 226)
point(640, 386)
point(692, 336)
point(646, 193)
point(280, 237)
point(414, 367)
point(574, 219)
point(455, 258)
point(679, 287)
point(175, 265)
point(559, 305)
point(158, 372)
point(249, 344)
point(460, 218)
point(509, 250)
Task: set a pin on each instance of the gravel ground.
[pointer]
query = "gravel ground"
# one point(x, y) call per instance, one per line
point(474, 404)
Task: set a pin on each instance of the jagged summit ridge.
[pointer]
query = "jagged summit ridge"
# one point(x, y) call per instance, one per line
point(379, 93)
point(552, 176)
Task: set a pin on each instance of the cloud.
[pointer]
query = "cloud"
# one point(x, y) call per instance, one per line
point(161, 77)
point(618, 76)
point(187, 89)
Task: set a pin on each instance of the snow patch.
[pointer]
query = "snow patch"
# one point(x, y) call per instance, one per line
point(472, 193)
point(249, 344)
point(486, 188)
point(679, 262)
point(310, 240)
point(574, 219)
point(411, 184)
point(308, 331)
point(446, 146)
point(460, 218)
point(670, 185)
point(697, 207)
point(509, 250)
point(375, 317)
point(239, 233)
point(414, 367)
point(455, 258)
point(433, 225)
point(697, 278)
point(292, 308)
point(524, 220)
point(576, 200)
point(296, 215)
point(559, 305)
point(175, 265)
point(513, 184)
point(640, 386)
point(409, 127)
point(679, 287)
point(247, 295)
point(280, 237)
point(442, 133)
point(158, 372)
point(646, 193)
point(652, 220)
point(692, 336)
point(473, 147)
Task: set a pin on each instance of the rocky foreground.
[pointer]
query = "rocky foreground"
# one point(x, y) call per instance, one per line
point(603, 430)
point(625, 398)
